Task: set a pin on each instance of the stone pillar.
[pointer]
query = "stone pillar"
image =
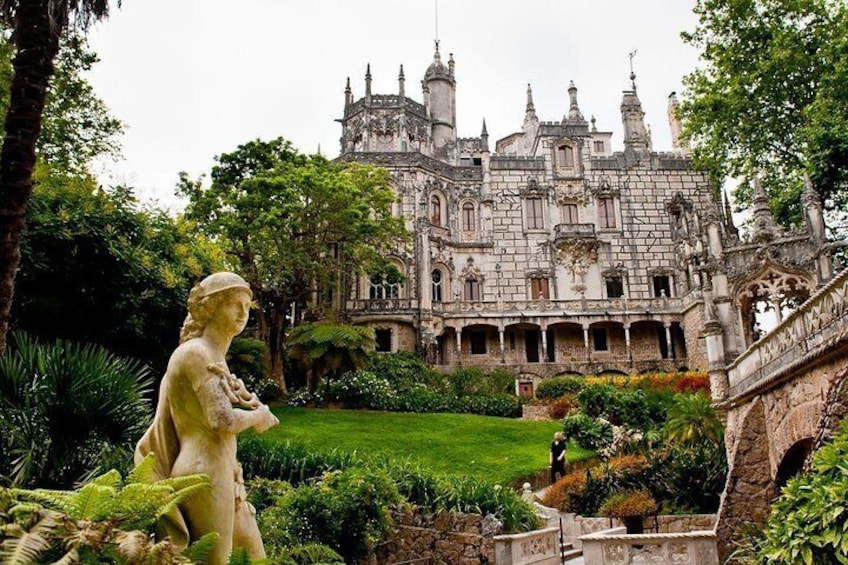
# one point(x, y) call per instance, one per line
point(543, 331)
point(459, 346)
point(425, 288)
point(627, 346)
point(586, 344)
point(669, 345)
point(775, 303)
point(719, 384)
point(501, 342)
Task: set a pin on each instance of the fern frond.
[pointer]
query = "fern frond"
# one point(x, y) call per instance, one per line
point(70, 558)
point(181, 496)
point(314, 554)
point(132, 545)
point(199, 551)
point(23, 547)
point(144, 472)
point(93, 502)
point(239, 557)
point(179, 483)
point(109, 479)
point(60, 500)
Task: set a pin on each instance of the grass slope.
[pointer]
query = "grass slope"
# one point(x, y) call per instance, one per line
point(498, 450)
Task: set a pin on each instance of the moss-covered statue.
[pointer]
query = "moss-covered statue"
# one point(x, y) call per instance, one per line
point(202, 407)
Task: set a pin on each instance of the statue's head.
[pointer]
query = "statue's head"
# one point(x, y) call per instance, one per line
point(205, 299)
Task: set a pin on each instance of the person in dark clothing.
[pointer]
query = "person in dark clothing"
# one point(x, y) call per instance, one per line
point(557, 457)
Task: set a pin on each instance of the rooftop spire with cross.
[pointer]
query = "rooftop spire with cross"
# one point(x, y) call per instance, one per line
point(632, 55)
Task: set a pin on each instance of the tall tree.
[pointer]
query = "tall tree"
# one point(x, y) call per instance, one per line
point(295, 227)
point(772, 97)
point(37, 28)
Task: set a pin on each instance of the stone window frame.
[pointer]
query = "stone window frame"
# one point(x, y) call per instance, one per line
point(464, 207)
point(478, 337)
point(392, 333)
point(616, 272)
point(440, 285)
point(538, 223)
point(563, 150)
point(609, 201)
point(569, 204)
point(535, 285)
point(441, 219)
point(596, 333)
point(654, 274)
point(472, 286)
point(385, 290)
point(598, 146)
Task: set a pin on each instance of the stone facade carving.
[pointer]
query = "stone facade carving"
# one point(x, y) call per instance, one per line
point(554, 198)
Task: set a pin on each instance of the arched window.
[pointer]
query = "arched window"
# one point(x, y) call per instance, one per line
point(375, 288)
point(468, 217)
point(435, 210)
point(472, 290)
point(436, 279)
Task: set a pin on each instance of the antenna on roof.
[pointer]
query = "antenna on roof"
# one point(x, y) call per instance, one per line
point(436, 10)
point(632, 54)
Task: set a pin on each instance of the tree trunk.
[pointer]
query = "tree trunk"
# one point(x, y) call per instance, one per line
point(276, 334)
point(37, 42)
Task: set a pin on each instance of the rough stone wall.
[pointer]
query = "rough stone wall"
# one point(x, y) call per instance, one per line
point(446, 538)
point(535, 413)
point(696, 347)
point(750, 484)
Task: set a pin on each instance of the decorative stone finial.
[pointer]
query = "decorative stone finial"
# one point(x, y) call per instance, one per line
point(401, 83)
point(368, 81)
point(574, 114)
point(531, 108)
point(765, 228)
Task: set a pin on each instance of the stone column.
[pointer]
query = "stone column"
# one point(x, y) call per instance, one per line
point(543, 331)
point(501, 342)
point(586, 343)
point(627, 346)
point(668, 343)
point(459, 346)
point(775, 303)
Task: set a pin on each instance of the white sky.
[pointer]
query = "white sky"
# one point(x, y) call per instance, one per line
point(196, 78)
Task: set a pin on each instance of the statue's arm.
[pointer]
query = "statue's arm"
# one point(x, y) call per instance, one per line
point(216, 405)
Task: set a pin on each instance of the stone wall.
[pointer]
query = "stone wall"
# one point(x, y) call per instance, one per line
point(443, 537)
point(615, 547)
point(575, 526)
point(536, 413)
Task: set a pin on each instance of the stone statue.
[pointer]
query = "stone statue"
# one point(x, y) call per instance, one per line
point(202, 406)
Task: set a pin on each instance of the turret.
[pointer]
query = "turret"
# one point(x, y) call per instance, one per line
point(633, 119)
point(574, 115)
point(348, 95)
point(484, 138)
point(440, 95)
point(401, 85)
point(368, 84)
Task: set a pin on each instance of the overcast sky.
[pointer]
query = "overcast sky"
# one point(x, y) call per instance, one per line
point(195, 78)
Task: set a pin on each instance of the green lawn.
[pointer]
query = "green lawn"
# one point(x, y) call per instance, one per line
point(499, 450)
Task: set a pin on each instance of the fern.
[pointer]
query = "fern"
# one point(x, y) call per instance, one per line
point(313, 554)
point(199, 551)
point(239, 557)
point(24, 546)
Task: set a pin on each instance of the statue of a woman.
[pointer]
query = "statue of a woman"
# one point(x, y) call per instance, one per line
point(201, 409)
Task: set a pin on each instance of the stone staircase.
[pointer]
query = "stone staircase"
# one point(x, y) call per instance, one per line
point(571, 555)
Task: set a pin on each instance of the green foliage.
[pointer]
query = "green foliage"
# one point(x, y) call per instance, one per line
point(76, 127)
point(689, 478)
point(691, 419)
point(771, 97)
point(808, 523)
point(106, 520)
point(589, 432)
point(629, 503)
point(347, 510)
point(362, 389)
point(291, 222)
point(248, 359)
point(634, 408)
point(557, 387)
point(330, 346)
point(405, 370)
point(98, 267)
point(68, 411)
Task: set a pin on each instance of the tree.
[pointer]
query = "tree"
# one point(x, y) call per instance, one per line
point(326, 347)
point(692, 420)
point(772, 97)
point(295, 227)
point(99, 267)
point(37, 28)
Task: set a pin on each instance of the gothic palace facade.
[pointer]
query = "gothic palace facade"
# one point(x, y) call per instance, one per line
point(555, 254)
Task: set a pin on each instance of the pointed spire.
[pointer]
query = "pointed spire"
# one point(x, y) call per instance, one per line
point(531, 108)
point(348, 93)
point(594, 127)
point(763, 222)
point(574, 114)
point(401, 84)
point(368, 81)
point(484, 138)
point(451, 64)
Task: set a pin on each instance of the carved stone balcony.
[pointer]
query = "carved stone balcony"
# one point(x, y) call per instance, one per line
point(381, 305)
point(567, 232)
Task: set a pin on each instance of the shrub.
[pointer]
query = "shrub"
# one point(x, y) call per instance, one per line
point(362, 389)
point(561, 407)
point(69, 411)
point(500, 381)
point(689, 479)
point(597, 400)
point(464, 382)
point(691, 419)
point(502, 405)
point(248, 359)
point(565, 494)
point(628, 503)
point(558, 387)
point(405, 370)
point(588, 432)
point(807, 523)
point(693, 382)
point(347, 510)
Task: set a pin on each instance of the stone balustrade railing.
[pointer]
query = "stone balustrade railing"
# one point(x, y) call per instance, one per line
point(616, 547)
point(539, 547)
point(575, 307)
point(574, 231)
point(817, 326)
point(383, 305)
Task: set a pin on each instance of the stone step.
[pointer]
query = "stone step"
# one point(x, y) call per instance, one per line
point(568, 554)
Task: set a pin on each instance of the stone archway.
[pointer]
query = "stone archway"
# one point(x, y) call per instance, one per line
point(749, 487)
point(792, 462)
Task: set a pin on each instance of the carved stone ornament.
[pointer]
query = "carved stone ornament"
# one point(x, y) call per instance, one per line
point(538, 546)
point(678, 204)
point(533, 188)
point(471, 271)
point(603, 187)
point(616, 554)
point(571, 193)
point(577, 255)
